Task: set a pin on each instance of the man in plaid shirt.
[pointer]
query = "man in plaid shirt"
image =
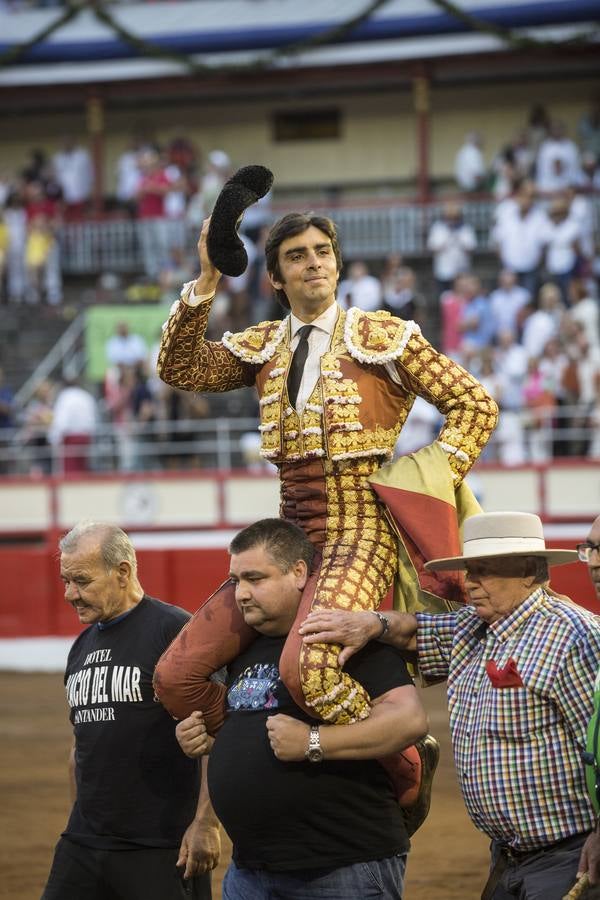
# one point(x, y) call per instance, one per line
point(520, 663)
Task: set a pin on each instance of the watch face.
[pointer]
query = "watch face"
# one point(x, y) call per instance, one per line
point(315, 754)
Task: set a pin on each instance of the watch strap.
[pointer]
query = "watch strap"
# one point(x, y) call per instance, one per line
point(385, 622)
point(314, 751)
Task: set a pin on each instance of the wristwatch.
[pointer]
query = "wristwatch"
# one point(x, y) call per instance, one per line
point(314, 752)
point(385, 623)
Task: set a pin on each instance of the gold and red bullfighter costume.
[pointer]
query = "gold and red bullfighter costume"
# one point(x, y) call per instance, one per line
point(346, 431)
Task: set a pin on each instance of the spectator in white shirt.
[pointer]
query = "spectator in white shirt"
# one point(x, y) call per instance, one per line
point(451, 241)
point(552, 366)
point(469, 165)
point(507, 301)
point(511, 365)
point(582, 212)
point(401, 298)
point(124, 348)
point(558, 162)
point(129, 176)
point(15, 218)
point(360, 288)
point(72, 428)
point(589, 179)
point(74, 172)
point(518, 236)
point(543, 324)
point(584, 310)
point(562, 237)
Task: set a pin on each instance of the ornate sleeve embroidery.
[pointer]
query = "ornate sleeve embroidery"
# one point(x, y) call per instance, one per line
point(188, 361)
point(471, 413)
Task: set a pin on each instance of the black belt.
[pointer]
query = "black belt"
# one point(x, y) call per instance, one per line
point(509, 856)
point(518, 856)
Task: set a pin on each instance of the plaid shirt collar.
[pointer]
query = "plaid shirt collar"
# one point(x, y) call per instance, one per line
point(509, 626)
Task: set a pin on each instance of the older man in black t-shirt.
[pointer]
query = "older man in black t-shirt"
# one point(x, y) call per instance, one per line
point(309, 810)
point(137, 829)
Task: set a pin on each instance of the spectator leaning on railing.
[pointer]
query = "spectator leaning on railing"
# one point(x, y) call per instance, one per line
point(75, 174)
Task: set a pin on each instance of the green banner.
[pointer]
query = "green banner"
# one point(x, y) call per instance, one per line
point(102, 322)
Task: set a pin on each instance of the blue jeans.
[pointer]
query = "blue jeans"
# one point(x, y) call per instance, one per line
point(382, 879)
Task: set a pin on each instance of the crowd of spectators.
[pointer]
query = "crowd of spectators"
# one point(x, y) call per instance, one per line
point(166, 190)
point(533, 337)
point(529, 329)
point(130, 422)
point(531, 332)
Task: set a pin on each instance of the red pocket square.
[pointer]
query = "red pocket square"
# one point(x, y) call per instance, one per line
point(507, 677)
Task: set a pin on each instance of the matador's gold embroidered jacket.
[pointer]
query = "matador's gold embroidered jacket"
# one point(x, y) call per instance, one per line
point(356, 409)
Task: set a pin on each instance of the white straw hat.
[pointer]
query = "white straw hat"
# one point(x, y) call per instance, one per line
point(506, 534)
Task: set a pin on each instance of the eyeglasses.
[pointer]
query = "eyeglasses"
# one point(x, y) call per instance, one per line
point(585, 550)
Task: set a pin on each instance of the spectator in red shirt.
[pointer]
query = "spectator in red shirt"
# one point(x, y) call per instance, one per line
point(152, 223)
point(452, 303)
point(38, 203)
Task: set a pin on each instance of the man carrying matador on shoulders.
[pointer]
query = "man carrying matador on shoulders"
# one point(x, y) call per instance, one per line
point(335, 387)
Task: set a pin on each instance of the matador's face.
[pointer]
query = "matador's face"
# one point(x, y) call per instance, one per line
point(309, 273)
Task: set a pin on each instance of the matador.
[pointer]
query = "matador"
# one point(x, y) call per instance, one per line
point(360, 378)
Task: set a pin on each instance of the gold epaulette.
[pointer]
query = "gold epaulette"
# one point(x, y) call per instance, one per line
point(257, 344)
point(376, 337)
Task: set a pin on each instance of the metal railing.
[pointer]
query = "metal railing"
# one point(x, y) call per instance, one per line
point(367, 231)
point(66, 357)
point(230, 443)
point(131, 447)
point(114, 245)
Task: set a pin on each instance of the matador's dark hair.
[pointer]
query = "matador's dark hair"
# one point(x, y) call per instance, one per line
point(289, 226)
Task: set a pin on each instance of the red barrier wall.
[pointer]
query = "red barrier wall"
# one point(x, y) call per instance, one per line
point(28, 579)
point(32, 594)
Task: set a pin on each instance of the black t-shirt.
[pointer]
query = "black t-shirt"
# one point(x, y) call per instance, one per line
point(284, 816)
point(135, 787)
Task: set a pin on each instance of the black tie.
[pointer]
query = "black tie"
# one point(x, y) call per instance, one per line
point(298, 362)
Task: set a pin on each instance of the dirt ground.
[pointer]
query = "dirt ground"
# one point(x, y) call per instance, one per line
point(448, 860)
